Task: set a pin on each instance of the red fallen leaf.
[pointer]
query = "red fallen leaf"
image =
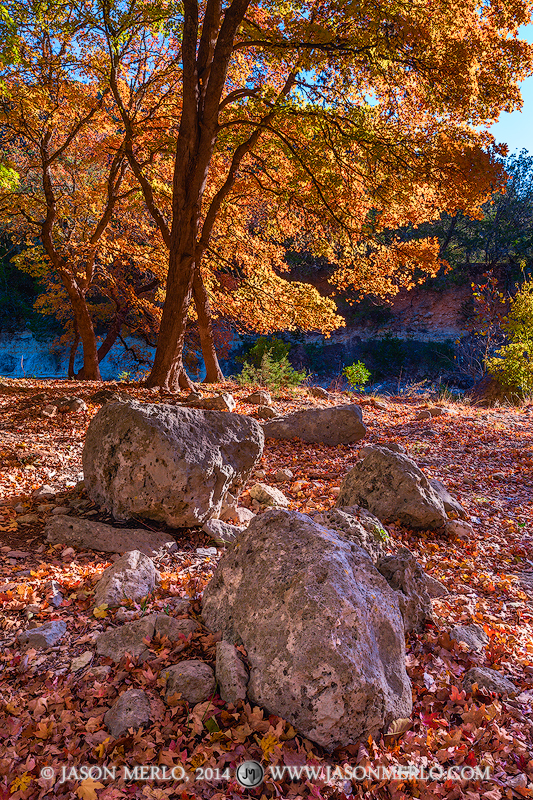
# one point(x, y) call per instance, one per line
point(432, 720)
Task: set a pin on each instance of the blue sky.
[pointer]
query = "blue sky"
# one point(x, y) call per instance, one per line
point(516, 129)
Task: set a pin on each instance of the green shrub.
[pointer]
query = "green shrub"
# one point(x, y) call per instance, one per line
point(357, 375)
point(512, 365)
point(271, 373)
point(276, 349)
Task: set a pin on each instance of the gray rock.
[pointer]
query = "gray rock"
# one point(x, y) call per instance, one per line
point(133, 576)
point(239, 515)
point(460, 528)
point(107, 396)
point(438, 411)
point(221, 532)
point(473, 636)
point(424, 414)
point(221, 402)
point(404, 574)
point(131, 710)
point(259, 398)
point(44, 636)
point(394, 447)
point(231, 674)
point(392, 487)
point(28, 519)
point(167, 463)
point(127, 638)
point(173, 628)
point(283, 475)
point(435, 588)
point(268, 495)
point(326, 642)
point(44, 492)
point(332, 426)
point(356, 525)
point(267, 412)
point(72, 404)
point(83, 534)
point(319, 393)
point(193, 680)
point(451, 505)
point(48, 411)
point(487, 678)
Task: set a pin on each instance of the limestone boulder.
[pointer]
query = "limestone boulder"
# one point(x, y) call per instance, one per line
point(87, 534)
point(325, 644)
point(133, 576)
point(342, 424)
point(404, 574)
point(391, 486)
point(131, 710)
point(356, 525)
point(167, 463)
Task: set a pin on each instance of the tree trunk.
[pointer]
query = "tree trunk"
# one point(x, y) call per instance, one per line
point(112, 334)
point(168, 370)
point(73, 351)
point(213, 373)
point(90, 370)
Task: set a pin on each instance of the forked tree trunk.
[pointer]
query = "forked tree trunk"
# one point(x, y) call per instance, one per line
point(213, 373)
point(73, 351)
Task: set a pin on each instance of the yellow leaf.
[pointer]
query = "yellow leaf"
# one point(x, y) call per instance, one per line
point(87, 789)
point(21, 783)
point(100, 611)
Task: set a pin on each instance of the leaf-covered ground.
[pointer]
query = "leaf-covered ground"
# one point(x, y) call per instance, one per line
point(51, 709)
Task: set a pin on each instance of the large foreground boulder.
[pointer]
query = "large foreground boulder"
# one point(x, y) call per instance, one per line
point(325, 643)
point(392, 487)
point(167, 463)
point(334, 425)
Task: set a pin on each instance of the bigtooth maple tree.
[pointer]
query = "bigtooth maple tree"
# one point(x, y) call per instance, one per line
point(374, 109)
point(71, 203)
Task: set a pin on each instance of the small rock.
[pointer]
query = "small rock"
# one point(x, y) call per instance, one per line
point(20, 509)
point(473, 636)
point(435, 588)
point(221, 402)
point(221, 533)
point(44, 636)
point(319, 393)
point(259, 473)
point(488, 679)
point(452, 506)
point(240, 515)
point(105, 396)
point(207, 551)
point(193, 679)
point(98, 673)
point(438, 411)
point(379, 404)
point(133, 576)
point(283, 475)
point(259, 398)
point(128, 638)
point(173, 628)
point(178, 605)
point(17, 554)
point(268, 495)
point(131, 710)
point(44, 493)
point(232, 675)
point(403, 573)
point(48, 411)
point(43, 508)
point(424, 414)
point(60, 510)
point(72, 404)
point(28, 519)
point(81, 661)
point(267, 412)
point(459, 528)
